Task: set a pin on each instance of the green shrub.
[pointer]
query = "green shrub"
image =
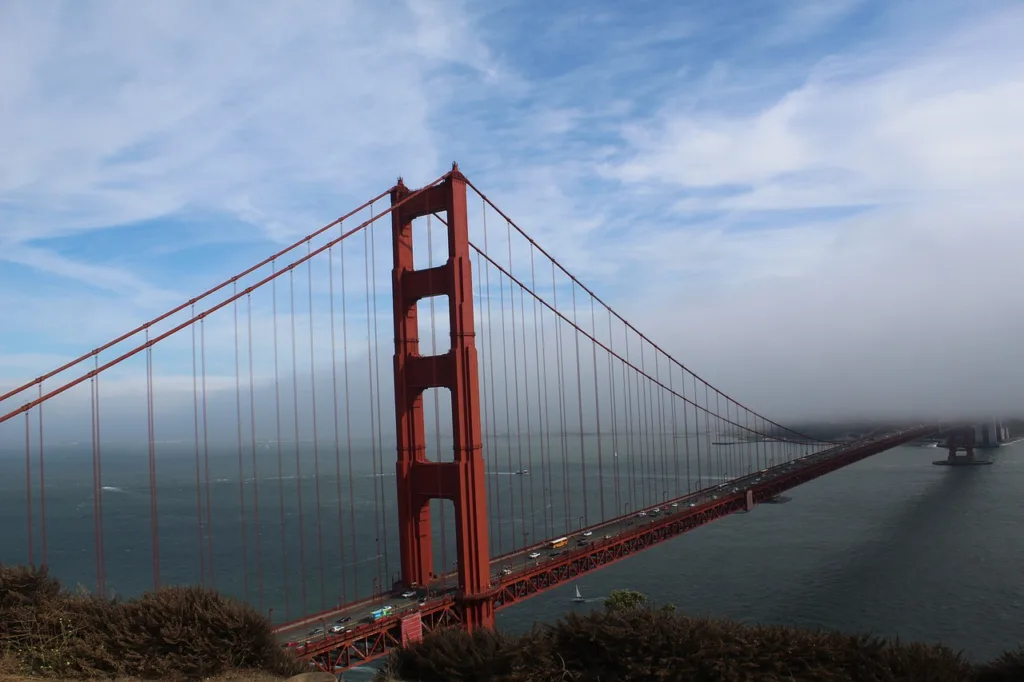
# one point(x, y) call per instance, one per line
point(632, 642)
point(1009, 667)
point(191, 633)
point(622, 600)
point(452, 655)
point(174, 632)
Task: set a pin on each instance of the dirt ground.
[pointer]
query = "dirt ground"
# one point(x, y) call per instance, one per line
point(233, 677)
point(8, 673)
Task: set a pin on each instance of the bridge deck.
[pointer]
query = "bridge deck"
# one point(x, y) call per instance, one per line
point(609, 541)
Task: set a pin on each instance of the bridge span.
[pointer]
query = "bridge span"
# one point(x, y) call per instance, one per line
point(364, 640)
point(246, 435)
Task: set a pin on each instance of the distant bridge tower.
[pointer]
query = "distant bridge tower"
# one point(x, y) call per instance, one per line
point(961, 439)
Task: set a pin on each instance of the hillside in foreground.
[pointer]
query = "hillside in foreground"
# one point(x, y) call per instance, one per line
point(172, 633)
point(193, 633)
point(630, 640)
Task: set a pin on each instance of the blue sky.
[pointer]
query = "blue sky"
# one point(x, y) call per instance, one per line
point(791, 181)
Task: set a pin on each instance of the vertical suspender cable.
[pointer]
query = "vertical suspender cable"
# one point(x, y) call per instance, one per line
point(298, 448)
point(335, 414)
point(154, 524)
point(241, 465)
point(376, 370)
point(348, 423)
point(257, 528)
point(316, 434)
point(515, 375)
point(199, 466)
point(579, 405)
point(280, 452)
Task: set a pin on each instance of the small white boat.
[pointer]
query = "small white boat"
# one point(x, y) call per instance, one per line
point(579, 597)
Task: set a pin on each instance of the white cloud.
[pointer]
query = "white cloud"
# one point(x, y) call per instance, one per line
point(912, 304)
point(946, 121)
point(807, 18)
point(110, 279)
point(114, 117)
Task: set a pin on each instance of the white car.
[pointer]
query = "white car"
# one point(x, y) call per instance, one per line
point(587, 533)
point(534, 555)
point(408, 594)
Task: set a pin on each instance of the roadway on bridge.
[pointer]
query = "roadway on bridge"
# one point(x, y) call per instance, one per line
point(535, 555)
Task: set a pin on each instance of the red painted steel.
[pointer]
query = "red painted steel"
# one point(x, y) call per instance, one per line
point(209, 292)
point(412, 628)
point(960, 439)
point(374, 640)
point(601, 553)
point(370, 641)
point(420, 480)
point(527, 583)
point(150, 342)
point(801, 438)
point(625, 360)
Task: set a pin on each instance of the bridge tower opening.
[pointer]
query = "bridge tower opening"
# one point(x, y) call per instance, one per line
point(961, 439)
point(420, 480)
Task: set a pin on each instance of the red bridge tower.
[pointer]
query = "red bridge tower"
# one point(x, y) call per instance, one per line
point(419, 479)
point(961, 439)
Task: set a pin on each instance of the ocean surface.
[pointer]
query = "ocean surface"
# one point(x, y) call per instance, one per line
point(891, 545)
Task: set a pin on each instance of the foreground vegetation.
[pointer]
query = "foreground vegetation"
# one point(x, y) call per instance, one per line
point(193, 633)
point(172, 633)
point(631, 640)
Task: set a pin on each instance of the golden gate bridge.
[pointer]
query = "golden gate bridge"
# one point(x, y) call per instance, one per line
point(243, 440)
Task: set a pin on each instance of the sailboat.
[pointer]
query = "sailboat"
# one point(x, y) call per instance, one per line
point(579, 597)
